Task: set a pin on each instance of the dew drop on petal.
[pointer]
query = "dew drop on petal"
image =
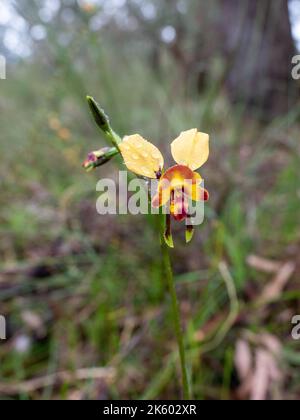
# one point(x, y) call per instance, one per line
point(137, 144)
point(155, 154)
point(146, 171)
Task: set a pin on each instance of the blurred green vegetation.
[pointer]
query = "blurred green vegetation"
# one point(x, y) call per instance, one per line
point(81, 290)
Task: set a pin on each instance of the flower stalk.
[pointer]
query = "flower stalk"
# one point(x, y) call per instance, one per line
point(167, 266)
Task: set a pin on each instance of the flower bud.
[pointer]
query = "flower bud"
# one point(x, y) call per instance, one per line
point(99, 157)
point(99, 115)
point(102, 121)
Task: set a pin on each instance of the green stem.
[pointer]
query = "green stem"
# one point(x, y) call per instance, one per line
point(175, 312)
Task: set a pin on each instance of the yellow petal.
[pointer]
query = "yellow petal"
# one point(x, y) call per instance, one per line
point(196, 192)
point(193, 188)
point(141, 156)
point(163, 194)
point(191, 148)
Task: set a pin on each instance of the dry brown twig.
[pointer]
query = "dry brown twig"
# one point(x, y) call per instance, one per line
point(263, 264)
point(275, 287)
point(27, 387)
point(258, 360)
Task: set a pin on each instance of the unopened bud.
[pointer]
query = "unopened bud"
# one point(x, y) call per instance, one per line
point(99, 157)
point(102, 121)
point(99, 115)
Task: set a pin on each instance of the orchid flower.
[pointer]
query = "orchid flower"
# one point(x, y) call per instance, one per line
point(176, 185)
